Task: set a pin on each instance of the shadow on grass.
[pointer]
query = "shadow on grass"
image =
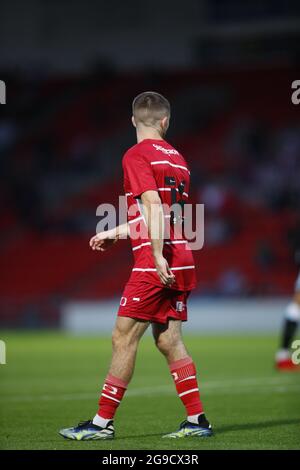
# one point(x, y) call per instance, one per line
point(138, 436)
point(258, 425)
point(229, 428)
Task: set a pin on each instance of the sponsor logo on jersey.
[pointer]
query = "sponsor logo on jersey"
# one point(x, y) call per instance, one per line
point(170, 180)
point(165, 151)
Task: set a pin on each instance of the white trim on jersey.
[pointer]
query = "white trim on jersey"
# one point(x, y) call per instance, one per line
point(141, 245)
point(166, 162)
point(136, 219)
point(144, 269)
point(142, 217)
point(172, 242)
point(177, 268)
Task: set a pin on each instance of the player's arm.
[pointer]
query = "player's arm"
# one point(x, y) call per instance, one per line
point(104, 240)
point(155, 221)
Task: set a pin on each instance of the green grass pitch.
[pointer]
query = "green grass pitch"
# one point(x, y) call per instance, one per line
point(52, 380)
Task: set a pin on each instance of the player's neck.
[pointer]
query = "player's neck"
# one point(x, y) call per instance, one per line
point(144, 134)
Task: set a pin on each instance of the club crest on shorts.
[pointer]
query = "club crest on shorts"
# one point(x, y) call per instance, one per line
point(179, 306)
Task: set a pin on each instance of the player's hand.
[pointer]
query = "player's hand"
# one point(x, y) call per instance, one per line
point(102, 241)
point(165, 274)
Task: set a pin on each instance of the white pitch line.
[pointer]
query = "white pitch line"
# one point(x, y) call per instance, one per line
point(236, 386)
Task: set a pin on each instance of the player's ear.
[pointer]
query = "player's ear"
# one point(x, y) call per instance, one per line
point(165, 123)
point(133, 121)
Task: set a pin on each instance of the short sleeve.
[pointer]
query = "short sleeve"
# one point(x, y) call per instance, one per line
point(139, 174)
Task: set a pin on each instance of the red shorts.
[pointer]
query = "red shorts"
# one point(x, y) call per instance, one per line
point(152, 303)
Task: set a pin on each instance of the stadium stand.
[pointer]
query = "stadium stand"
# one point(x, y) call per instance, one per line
point(63, 158)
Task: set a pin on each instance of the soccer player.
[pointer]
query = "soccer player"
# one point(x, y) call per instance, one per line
point(155, 176)
point(283, 359)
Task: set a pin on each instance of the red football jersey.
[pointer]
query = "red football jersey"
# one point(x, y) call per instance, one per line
point(156, 165)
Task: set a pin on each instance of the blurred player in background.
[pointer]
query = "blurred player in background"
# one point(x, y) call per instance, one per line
point(155, 174)
point(283, 358)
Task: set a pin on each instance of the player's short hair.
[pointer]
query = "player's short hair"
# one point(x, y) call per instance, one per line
point(150, 107)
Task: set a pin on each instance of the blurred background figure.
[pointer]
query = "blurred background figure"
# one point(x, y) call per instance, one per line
point(289, 328)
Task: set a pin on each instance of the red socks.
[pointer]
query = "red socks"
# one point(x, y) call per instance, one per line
point(184, 375)
point(112, 394)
